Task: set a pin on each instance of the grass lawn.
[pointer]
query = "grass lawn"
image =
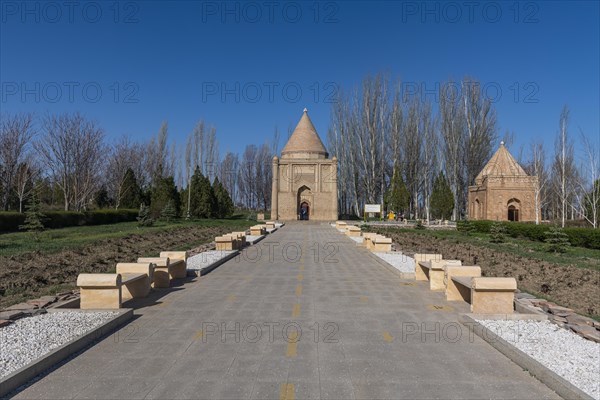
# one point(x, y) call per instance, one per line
point(578, 256)
point(56, 240)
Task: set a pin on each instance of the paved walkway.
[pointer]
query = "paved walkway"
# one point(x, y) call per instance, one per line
point(355, 330)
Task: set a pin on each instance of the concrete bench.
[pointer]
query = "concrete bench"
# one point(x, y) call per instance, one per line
point(427, 257)
point(258, 230)
point(177, 263)
point(105, 291)
point(270, 224)
point(226, 243)
point(134, 285)
point(162, 271)
point(419, 273)
point(433, 271)
point(353, 230)
point(381, 244)
point(241, 237)
point(487, 295)
point(452, 290)
point(367, 236)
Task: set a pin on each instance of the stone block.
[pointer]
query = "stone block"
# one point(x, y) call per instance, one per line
point(100, 291)
point(162, 275)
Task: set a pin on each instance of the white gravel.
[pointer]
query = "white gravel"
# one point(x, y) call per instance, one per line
point(27, 339)
point(205, 259)
point(569, 355)
point(357, 239)
point(253, 238)
point(401, 262)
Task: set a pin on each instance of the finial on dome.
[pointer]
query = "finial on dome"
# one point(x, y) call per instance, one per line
point(305, 109)
point(502, 143)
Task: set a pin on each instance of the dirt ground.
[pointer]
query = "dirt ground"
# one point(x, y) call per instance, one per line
point(569, 286)
point(32, 274)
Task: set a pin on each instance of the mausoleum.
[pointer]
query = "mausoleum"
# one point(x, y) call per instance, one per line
point(304, 178)
point(503, 191)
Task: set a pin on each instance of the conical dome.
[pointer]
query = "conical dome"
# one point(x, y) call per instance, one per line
point(502, 163)
point(305, 141)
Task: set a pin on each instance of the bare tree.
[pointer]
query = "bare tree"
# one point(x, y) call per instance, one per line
point(71, 148)
point(589, 184)
point(537, 167)
point(563, 167)
point(230, 172)
point(480, 123)
point(24, 180)
point(16, 133)
point(452, 132)
point(124, 155)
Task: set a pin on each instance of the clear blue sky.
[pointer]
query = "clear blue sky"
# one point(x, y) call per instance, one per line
point(173, 59)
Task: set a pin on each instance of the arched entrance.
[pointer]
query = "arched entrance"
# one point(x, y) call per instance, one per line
point(304, 211)
point(514, 205)
point(304, 203)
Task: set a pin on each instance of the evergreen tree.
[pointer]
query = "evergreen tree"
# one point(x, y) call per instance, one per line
point(442, 199)
point(397, 197)
point(33, 218)
point(101, 198)
point(202, 198)
point(132, 195)
point(223, 203)
point(144, 218)
point(163, 192)
point(169, 212)
point(497, 232)
point(557, 241)
point(465, 226)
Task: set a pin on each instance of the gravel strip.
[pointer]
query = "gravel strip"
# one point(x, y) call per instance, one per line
point(27, 339)
point(203, 260)
point(401, 262)
point(569, 355)
point(357, 239)
point(253, 238)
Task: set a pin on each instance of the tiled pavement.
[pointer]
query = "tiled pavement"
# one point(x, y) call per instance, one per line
point(303, 314)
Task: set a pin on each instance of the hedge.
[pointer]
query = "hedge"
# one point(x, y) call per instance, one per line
point(10, 221)
point(579, 237)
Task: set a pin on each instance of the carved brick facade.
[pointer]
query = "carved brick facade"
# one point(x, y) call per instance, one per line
point(304, 177)
point(503, 191)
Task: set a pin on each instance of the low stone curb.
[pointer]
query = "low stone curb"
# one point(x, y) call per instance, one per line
point(258, 239)
point(561, 386)
point(21, 376)
point(210, 267)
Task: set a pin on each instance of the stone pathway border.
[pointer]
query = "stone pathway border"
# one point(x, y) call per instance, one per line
point(28, 372)
point(561, 386)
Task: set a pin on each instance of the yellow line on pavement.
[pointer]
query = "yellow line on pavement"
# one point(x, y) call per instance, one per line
point(296, 311)
point(299, 289)
point(231, 298)
point(364, 299)
point(286, 391)
point(387, 337)
point(292, 348)
point(199, 335)
point(300, 277)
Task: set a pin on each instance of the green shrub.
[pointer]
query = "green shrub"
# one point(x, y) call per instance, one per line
point(579, 237)
point(10, 221)
point(557, 240)
point(497, 232)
